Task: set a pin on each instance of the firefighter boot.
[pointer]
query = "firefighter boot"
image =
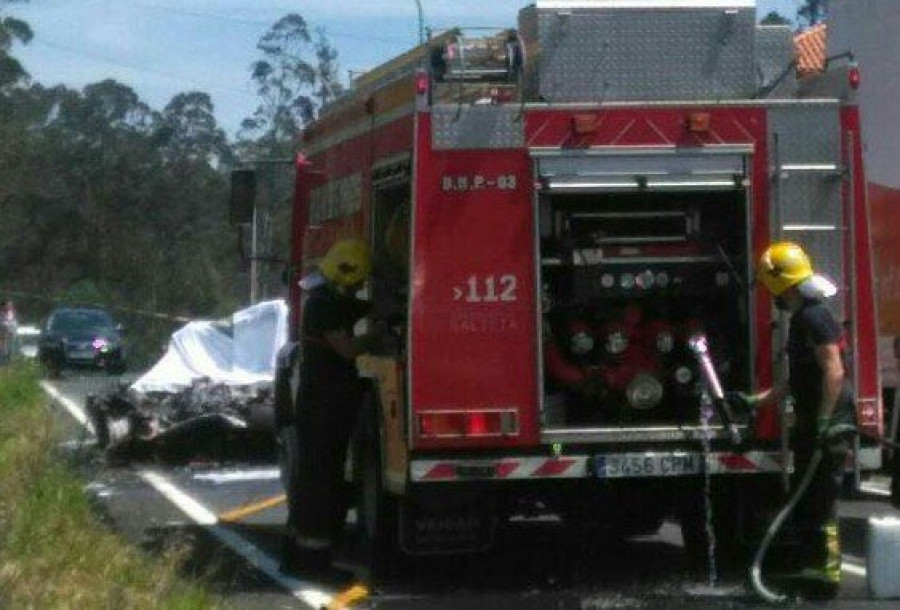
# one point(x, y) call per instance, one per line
point(299, 559)
point(822, 579)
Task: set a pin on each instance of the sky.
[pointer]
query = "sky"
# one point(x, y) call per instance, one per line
point(163, 47)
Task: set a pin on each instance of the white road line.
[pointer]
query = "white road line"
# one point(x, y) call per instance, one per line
point(875, 489)
point(221, 477)
point(854, 566)
point(306, 592)
point(69, 405)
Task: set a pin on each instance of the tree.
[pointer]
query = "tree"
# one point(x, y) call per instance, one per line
point(329, 86)
point(775, 18)
point(813, 11)
point(297, 74)
point(12, 30)
point(289, 82)
point(284, 80)
point(105, 199)
point(189, 130)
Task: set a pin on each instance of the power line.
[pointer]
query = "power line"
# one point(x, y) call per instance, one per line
point(257, 22)
point(120, 308)
point(130, 66)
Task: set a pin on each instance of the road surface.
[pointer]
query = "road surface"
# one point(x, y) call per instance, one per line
point(534, 565)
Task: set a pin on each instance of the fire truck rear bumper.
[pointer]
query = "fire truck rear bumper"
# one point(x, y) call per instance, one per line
point(652, 464)
point(602, 465)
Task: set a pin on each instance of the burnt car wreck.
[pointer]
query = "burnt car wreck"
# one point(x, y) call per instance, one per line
point(205, 422)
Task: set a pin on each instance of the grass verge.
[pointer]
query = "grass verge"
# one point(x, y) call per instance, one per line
point(54, 551)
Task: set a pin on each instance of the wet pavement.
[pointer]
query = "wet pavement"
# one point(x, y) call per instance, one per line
point(533, 565)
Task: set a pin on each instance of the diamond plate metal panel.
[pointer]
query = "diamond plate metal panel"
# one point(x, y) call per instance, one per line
point(811, 199)
point(774, 54)
point(807, 133)
point(821, 247)
point(477, 127)
point(645, 54)
point(808, 202)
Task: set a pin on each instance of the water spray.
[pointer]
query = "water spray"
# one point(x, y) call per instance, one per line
point(700, 347)
point(712, 400)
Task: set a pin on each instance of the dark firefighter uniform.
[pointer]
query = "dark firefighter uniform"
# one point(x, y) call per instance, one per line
point(327, 402)
point(817, 364)
point(816, 514)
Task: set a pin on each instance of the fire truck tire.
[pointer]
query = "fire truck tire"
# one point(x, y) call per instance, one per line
point(377, 510)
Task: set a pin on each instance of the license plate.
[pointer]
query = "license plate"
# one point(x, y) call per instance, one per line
point(476, 471)
point(77, 354)
point(624, 465)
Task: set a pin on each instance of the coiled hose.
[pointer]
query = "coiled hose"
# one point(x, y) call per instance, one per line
point(756, 568)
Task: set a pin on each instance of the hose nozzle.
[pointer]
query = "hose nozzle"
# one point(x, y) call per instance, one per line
point(699, 345)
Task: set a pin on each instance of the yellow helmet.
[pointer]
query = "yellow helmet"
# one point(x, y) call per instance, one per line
point(347, 263)
point(784, 264)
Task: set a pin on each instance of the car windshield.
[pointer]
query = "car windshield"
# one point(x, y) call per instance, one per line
point(81, 321)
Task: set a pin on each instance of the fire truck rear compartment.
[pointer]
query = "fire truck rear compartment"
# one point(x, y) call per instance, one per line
point(626, 279)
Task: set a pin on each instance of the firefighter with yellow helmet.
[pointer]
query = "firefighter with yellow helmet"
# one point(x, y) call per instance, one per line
point(823, 402)
point(328, 400)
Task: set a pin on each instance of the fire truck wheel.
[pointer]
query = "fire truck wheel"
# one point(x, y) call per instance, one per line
point(377, 509)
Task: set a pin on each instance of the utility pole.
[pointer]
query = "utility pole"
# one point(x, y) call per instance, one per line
point(421, 22)
point(254, 257)
point(248, 208)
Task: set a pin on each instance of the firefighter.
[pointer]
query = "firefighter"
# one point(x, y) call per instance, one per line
point(825, 416)
point(328, 399)
point(7, 332)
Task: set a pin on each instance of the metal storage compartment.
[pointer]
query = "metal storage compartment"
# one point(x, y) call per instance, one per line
point(596, 50)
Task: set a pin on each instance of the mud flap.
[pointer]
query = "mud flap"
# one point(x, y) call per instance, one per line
point(431, 529)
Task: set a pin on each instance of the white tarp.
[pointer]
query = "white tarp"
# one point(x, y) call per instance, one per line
point(246, 356)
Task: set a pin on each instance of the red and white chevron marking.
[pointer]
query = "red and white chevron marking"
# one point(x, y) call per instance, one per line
point(578, 466)
point(564, 467)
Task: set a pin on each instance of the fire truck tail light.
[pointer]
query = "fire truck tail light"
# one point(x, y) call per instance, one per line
point(868, 413)
point(476, 424)
point(854, 76)
point(468, 424)
point(422, 83)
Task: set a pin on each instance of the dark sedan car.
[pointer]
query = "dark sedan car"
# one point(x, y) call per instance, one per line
point(81, 338)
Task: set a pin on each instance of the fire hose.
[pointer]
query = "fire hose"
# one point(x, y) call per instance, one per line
point(756, 568)
point(699, 346)
point(759, 587)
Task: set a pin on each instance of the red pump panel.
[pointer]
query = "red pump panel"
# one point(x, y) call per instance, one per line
point(473, 329)
point(672, 127)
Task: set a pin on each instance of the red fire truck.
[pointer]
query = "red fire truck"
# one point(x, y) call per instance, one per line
point(555, 210)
